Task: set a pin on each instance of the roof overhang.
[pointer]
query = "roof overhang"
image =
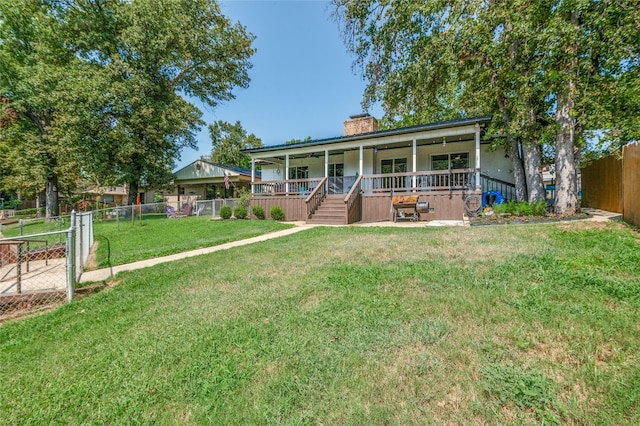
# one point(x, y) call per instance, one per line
point(425, 134)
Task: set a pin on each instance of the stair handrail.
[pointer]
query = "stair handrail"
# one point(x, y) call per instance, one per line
point(351, 200)
point(314, 199)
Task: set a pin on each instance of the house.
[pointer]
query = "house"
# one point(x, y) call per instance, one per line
point(202, 180)
point(354, 177)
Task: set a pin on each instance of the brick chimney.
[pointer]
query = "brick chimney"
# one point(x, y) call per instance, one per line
point(361, 123)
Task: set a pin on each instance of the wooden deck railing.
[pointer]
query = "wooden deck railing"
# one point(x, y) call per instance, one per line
point(507, 189)
point(287, 187)
point(314, 199)
point(353, 203)
point(459, 179)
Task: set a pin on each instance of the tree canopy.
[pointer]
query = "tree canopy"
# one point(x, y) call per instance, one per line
point(100, 89)
point(228, 140)
point(549, 72)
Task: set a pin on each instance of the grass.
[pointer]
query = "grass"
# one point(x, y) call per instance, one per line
point(158, 236)
point(500, 325)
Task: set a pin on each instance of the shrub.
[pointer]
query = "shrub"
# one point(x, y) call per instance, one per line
point(225, 212)
point(277, 213)
point(240, 212)
point(258, 211)
point(244, 196)
point(522, 208)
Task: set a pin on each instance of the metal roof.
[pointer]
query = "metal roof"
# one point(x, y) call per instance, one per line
point(240, 170)
point(377, 134)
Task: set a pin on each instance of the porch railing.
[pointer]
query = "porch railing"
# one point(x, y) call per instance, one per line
point(353, 203)
point(458, 179)
point(508, 190)
point(302, 187)
point(314, 199)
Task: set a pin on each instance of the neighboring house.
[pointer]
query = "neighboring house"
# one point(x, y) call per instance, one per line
point(113, 195)
point(353, 178)
point(202, 180)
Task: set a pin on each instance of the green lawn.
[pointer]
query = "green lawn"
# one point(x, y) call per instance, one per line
point(159, 236)
point(485, 325)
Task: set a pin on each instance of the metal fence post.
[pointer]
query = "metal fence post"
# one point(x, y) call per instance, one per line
point(20, 223)
point(71, 270)
point(19, 269)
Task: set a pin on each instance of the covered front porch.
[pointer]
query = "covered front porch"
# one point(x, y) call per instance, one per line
point(359, 174)
point(369, 198)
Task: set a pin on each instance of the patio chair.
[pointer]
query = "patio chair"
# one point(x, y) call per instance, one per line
point(170, 211)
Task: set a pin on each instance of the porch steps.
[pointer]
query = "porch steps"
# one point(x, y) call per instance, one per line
point(330, 212)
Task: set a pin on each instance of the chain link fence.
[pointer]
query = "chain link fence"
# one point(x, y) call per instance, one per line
point(211, 208)
point(39, 270)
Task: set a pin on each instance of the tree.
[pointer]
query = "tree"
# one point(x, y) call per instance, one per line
point(100, 86)
point(34, 66)
point(541, 68)
point(228, 140)
point(294, 141)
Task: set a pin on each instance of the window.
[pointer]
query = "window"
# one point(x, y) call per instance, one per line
point(450, 161)
point(299, 172)
point(395, 165)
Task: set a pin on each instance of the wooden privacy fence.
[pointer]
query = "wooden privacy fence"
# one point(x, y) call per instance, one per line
point(631, 183)
point(613, 184)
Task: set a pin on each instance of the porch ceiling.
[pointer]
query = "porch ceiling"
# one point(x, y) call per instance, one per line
point(428, 134)
point(319, 153)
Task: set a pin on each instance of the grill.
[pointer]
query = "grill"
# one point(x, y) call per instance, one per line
point(422, 207)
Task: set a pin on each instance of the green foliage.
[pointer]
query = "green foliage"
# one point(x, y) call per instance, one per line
point(522, 208)
point(526, 389)
point(227, 140)
point(240, 212)
point(295, 141)
point(225, 212)
point(99, 88)
point(277, 213)
point(258, 211)
point(158, 197)
point(244, 197)
point(11, 204)
point(545, 71)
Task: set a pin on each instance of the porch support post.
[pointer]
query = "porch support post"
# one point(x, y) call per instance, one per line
point(286, 173)
point(413, 179)
point(360, 169)
point(253, 174)
point(477, 165)
point(326, 167)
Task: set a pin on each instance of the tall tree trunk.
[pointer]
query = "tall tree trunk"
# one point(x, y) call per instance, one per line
point(518, 169)
point(532, 161)
point(133, 192)
point(566, 185)
point(514, 154)
point(51, 198)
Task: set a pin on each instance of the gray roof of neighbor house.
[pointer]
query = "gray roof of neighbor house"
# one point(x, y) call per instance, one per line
point(377, 134)
point(239, 170)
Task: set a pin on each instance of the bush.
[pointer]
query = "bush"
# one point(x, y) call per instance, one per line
point(258, 211)
point(244, 196)
point(225, 212)
point(240, 212)
point(277, 213)
point(522, 208)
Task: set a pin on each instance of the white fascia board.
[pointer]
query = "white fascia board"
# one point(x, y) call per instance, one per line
point(468, 130)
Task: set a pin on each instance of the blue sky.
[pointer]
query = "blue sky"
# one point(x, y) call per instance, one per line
point(302, 83)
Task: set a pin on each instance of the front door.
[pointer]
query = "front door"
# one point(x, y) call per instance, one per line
point(336, 178)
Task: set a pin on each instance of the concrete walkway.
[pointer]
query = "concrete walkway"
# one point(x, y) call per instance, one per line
point(104, 274)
